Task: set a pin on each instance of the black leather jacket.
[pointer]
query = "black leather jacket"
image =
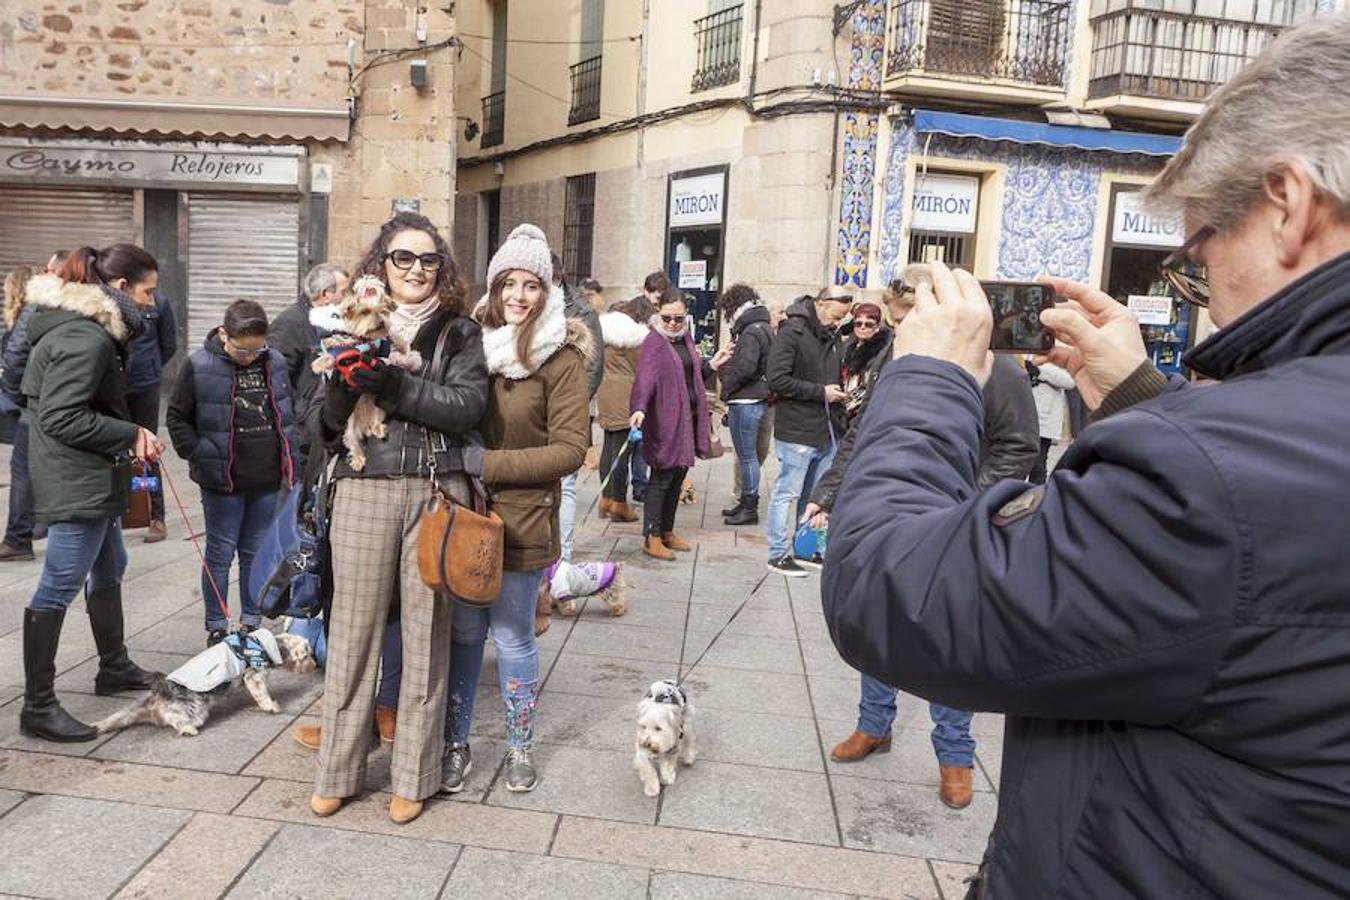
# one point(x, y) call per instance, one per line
point(448, 405)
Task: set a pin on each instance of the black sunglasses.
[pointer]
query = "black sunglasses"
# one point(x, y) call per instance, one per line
point(404, 259)
point(672, 320)
point(1191, 287)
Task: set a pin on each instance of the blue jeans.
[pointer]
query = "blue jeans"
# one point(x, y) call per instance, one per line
point(567, 514)
point(235, 525)
point(745, 419)
point(512, 621)
point(19, 528)
point(82, 553)
point(799, 465)
point(952, 742)
point(391, 655)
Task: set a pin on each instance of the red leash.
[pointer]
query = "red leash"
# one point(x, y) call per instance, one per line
point(182, 511)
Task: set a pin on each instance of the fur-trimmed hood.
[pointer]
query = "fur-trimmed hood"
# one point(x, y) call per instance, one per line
point(621, 332)
point(91, 301)
point(553, 331)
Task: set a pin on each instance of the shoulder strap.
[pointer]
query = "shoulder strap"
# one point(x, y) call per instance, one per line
point(438, 357)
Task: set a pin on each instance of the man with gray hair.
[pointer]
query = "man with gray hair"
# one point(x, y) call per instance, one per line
point(295, 337)
point(1166, 622)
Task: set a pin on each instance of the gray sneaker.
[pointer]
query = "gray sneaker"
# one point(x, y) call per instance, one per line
point(520, 774)
point(455, 767)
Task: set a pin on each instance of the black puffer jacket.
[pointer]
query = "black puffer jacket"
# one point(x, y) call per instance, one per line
point(805, 357)
point(742, 378)
point(448, 405)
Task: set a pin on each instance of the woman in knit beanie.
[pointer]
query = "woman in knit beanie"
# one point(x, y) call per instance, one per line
point(534, 433)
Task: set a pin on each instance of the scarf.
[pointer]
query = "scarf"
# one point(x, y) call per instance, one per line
point(408, 318)
point(742, 310)
point(550, 333)
point(660, 328)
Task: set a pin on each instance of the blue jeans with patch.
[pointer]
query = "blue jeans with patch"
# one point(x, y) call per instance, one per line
point(799, 467)
point(511, 619)
point(81, 553)
point(235, 526)
point(952, 742)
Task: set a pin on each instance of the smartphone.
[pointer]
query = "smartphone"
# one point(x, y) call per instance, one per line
point(1017, 307)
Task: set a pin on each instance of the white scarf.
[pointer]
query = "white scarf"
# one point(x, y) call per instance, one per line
point(742, 310)
point(408, 318)
point(660, 328)
point(550, 333)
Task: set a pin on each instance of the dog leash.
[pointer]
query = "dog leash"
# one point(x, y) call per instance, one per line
point(182, 511)
point(634, 438)
point(754, 590)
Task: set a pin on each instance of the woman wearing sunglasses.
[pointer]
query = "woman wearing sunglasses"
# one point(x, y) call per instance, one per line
point(670, 406)
point(375, 516)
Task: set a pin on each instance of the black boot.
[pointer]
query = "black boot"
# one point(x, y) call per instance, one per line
point(732, 510)
point(42, 717)
point(748, 514)
point(116, 671)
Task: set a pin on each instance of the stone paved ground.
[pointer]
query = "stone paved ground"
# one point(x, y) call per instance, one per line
point(763, 814)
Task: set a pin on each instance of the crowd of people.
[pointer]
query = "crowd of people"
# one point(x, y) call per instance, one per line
point(1162, 618)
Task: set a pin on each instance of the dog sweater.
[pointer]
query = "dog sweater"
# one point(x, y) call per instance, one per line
point(227, 661)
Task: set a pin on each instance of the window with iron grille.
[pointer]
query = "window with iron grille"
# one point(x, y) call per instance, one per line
point(585, 91)
point(1021, 40)
point(494, 104)
point(492, 203)
point(719, 48)
point(494, 119)
point(579, 225)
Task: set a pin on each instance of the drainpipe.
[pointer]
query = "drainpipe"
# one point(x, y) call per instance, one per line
point(754, 58)
point(642, 79)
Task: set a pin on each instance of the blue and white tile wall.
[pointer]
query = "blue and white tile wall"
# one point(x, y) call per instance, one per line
point(1049, 207)
point(859, 158)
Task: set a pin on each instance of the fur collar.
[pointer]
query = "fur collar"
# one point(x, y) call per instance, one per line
point(553, 330)
point(87, 300)
point(621, 331)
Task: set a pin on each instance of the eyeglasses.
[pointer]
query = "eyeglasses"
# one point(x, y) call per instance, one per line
point(404, 259)
point(246, 352)
point(864, 323)
point(672, 320)
point(1192, 288)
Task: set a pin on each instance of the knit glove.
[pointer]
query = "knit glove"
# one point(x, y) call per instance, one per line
point(379, 379)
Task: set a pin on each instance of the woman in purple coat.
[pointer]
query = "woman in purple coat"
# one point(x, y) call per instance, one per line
point(671, 408)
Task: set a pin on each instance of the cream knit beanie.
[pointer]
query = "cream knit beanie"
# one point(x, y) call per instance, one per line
point(525, 248)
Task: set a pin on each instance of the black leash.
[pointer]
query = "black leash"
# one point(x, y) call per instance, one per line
point(754, 590)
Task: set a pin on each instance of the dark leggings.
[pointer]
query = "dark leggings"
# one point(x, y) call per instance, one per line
point(617, 488)
point(663, 499)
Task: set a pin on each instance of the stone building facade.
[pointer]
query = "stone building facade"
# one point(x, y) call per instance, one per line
point(239, 141)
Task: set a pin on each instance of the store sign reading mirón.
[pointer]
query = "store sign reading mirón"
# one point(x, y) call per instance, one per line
point(190, 165)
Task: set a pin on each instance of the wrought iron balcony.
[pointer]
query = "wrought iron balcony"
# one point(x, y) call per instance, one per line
point(494, 119)
point(1175, 54)
point(585, 91)
point(719, 48)
point(1018, 40)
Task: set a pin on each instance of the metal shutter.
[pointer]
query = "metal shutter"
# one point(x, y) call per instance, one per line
point(41, 220)
point(240, 247)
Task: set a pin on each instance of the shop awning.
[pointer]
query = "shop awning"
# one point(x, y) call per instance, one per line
point(991, 129)
point(175, 117)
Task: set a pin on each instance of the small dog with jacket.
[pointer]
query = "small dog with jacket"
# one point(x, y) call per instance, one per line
point(665, 735)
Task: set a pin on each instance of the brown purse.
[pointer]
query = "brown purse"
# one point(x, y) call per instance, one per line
point(459, 550)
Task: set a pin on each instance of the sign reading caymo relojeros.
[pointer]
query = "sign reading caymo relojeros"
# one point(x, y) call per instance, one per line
point(130, 162)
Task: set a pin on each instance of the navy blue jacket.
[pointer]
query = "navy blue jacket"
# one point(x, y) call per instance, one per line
point(200, 417)
point(14, 359)
point(1166, 623)
point(153, 347)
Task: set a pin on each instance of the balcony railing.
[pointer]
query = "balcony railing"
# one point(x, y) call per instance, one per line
point(585, 91)
point(494, 119)
point(1176, 55)
point(719, 49)
point(1018, 40)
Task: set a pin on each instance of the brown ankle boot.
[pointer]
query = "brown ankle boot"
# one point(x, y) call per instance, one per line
point(606, 507)
point(325, 806)
point(653, 546)
point(403, 811)
point(386, 720)
point(956, 790)
point(858, 746)
point(307, 736)
point(620, 511)
point(674, 542)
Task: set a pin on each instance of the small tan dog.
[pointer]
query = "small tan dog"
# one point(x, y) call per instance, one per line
point(360, 322)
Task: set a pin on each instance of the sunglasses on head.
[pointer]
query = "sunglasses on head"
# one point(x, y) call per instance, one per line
point(404, 259)
point(671, 320)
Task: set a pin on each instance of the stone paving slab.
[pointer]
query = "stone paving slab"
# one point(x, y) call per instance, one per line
point(783, 863)
point(201, 861)
point(757, 739)
point(77, 646)
point(910, 761)
point(303, 861)
point(62, 847)
point(43, 773)
point(596, 783)
point(9, 800)
point(679, 886)
point(80, 678)
point(713, 687)
point(236, 732)
point(85, 707)
point(951, 878)
point(749, 800)
point(490, 873)
point(605, 676)
point(908, 819)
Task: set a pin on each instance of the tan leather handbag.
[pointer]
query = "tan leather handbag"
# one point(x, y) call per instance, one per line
point(459, 549)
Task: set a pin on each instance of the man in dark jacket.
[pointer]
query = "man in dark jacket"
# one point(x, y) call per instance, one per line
point(1165, 620)
point(1008, 449)
point(297, 340)
point(147, 353)
point(809, 418)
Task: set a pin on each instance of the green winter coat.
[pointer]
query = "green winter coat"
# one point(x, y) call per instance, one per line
point(80, 429)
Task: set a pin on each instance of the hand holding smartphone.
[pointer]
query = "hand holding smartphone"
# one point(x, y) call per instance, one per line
point(1017, 307)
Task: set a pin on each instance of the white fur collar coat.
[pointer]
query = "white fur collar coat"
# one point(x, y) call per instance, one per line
point(88, 300)
point(621, 332)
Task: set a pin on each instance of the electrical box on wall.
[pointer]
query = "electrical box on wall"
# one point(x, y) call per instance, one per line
point(417, 74)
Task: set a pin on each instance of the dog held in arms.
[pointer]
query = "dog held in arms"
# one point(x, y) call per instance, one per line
point(665, 735)
point(356, 330)
point(182, 700)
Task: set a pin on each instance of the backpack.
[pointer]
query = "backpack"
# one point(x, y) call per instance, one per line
point(292, 573)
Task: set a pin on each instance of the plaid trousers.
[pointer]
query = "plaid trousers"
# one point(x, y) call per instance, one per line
point(374, 528)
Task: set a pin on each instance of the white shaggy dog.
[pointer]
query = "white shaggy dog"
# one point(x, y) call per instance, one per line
point(665, 734)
